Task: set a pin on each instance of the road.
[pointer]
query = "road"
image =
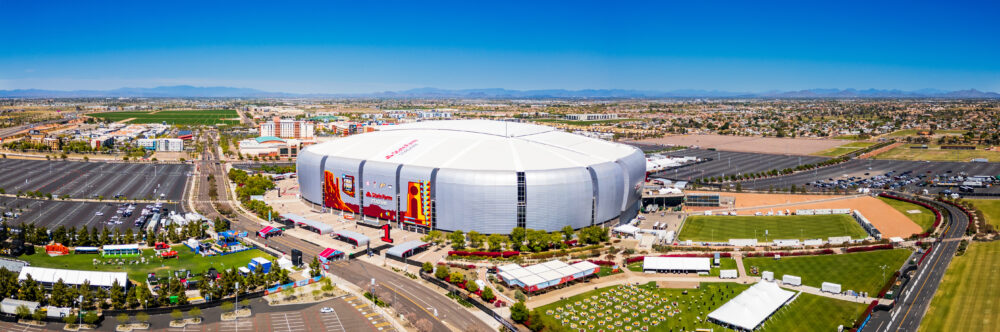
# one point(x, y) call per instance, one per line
point(916, 296)
point(412, 296)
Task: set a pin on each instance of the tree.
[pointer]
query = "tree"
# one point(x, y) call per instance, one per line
point(177, 314)
point(471, 286)
point(38, 315)
point(90, 318)
point(567, 232)
point(517, 236)
point(495, 242)
point(519, 312)
point(427, 267)
point(441, 272)
point(457, 239)
point(117, 296)
point(194, 312)
point(122, 318)
point(69, 320)
point(142, 317)
point(476, 239)
point(228, 306)
point(456, 277)
point(424, 325)
point(22, 311)
point(488, 294)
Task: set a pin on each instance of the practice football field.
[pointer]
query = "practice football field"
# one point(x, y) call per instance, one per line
point(860, 272)
point(968, 298)
point(193, 117)
point(768, 228)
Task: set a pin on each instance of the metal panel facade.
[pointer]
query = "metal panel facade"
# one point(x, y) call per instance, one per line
point(610, 191)
point(414, 195)
point(310, 176)
point(379, 190)
point(558, 198)
point(482, 201)
point(345, 182)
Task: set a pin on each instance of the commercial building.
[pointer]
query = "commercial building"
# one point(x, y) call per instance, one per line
point(486, 176)
point(591, 117)
point(270, 146)
point(170, 145)
point(287, 128)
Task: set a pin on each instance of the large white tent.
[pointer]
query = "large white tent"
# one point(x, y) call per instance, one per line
point(548, 274)
point(754, 305)
point(48, 276)
point(677, 264)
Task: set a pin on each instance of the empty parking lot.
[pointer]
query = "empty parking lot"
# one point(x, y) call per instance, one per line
point(92, 179)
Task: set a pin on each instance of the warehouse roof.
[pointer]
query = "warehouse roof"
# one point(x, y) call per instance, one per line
point(475, 144)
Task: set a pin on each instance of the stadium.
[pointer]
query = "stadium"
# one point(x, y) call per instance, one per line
point(474, 175)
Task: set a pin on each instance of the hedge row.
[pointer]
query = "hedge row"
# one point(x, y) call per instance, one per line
point(791, 253)
point(504, 254)
point(869, 248)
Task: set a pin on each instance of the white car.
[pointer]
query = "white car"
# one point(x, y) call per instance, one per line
point(326, 310)
point(99, 213)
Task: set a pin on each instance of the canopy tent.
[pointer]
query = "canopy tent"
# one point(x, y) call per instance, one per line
point(626, 229)
point(406, 249)
point(677, 264)
point(548, 274)
point(120, 249)
point(754, 305)
point(358, 238)
point(73, 277)
point(268, 231)
point(329, 254)
point(316, 226)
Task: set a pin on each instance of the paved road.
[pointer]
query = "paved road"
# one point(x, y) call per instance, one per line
point(413, 297)
point(916, 296)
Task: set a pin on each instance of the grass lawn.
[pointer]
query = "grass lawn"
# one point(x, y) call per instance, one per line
point(696, 303)
point(935, 153)
point(860, 272)
point(925, 219)
point(967, 299)
point(723, 228)
point(186, 260)
point(192, 117)
point(990, 208)
point(844, 149)
point(814, 313)
point(913, 132)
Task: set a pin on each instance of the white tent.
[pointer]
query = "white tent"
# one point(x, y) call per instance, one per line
point(749, 309)
point(626, 229)
point(728, 274)
point(677, 264)
point(74, 277)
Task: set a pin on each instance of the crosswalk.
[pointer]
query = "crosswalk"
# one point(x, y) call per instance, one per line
point(236, 325)
point(376, 319)
point(10, 327)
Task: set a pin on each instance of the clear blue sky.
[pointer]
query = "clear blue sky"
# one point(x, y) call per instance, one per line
point(364, 46)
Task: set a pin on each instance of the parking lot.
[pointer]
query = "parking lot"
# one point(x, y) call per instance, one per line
point(728, 163)
point(55, 213)
point(902, 176)
point(92, 179)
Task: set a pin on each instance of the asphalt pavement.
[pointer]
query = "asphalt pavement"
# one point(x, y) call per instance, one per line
point(731, 163)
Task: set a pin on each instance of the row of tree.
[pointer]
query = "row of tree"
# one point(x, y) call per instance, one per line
point(520, 239)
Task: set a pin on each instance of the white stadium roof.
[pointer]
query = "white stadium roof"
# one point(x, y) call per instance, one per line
point(475, 144)
point(752, 306)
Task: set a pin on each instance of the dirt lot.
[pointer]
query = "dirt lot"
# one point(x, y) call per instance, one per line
point(797, 146)
point(888, 220)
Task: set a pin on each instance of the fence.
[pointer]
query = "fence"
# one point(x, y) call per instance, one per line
point(476, 303)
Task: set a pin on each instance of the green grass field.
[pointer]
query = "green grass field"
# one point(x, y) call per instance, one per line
point(934, 153)
point(844, 149)
point(990, 208)
point(806, 313)
point(967, 299)
point(193, 117)
point(856, 271)
point(913, 132)
point(925, 219)
point(186, 260)
point(723, 228)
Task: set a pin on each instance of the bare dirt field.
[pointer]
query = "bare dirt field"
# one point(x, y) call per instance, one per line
point(797, 146)
point(887, 219)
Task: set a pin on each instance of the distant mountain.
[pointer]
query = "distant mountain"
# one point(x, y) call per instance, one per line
point(495, 93)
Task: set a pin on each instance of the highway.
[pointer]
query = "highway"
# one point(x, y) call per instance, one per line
point(411, 296)
point(910, 306)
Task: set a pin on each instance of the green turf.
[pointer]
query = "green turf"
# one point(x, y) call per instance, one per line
point(935, 153)
point(967, 299)
point(844, 149)
point(925, 219)
point(180, 117)
point(811, 312)
point(913, 132)
point(697, 303)
point(186, 260)
point(723, 228)
point(990, 208)
point(856, 271)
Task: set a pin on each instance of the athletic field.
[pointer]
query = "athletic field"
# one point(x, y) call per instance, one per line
point(924, 219)
point(968, 298)
point(844, 149)
point(990, 208)
point(192, 117)
point(860, 272)
point(767, 228)
point(813, 313)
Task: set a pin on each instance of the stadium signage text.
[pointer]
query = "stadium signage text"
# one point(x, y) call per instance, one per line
point(378, 196)
point(406, 147)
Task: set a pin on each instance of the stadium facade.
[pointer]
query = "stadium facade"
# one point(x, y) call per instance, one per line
point(486, 176)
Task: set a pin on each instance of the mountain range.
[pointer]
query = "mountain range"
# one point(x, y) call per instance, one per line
point(496, 93)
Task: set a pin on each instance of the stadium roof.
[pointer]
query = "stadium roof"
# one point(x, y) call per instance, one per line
point(73, 277)
point(752, 306)
point(475, 144)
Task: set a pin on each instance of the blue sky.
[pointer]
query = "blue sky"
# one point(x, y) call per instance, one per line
point(363, 46)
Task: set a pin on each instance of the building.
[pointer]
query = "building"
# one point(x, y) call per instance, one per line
point(287, 128)
point(270, 146)
point(170, 145)
point(591, 117)
point(486, 176)
point(147, 143)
